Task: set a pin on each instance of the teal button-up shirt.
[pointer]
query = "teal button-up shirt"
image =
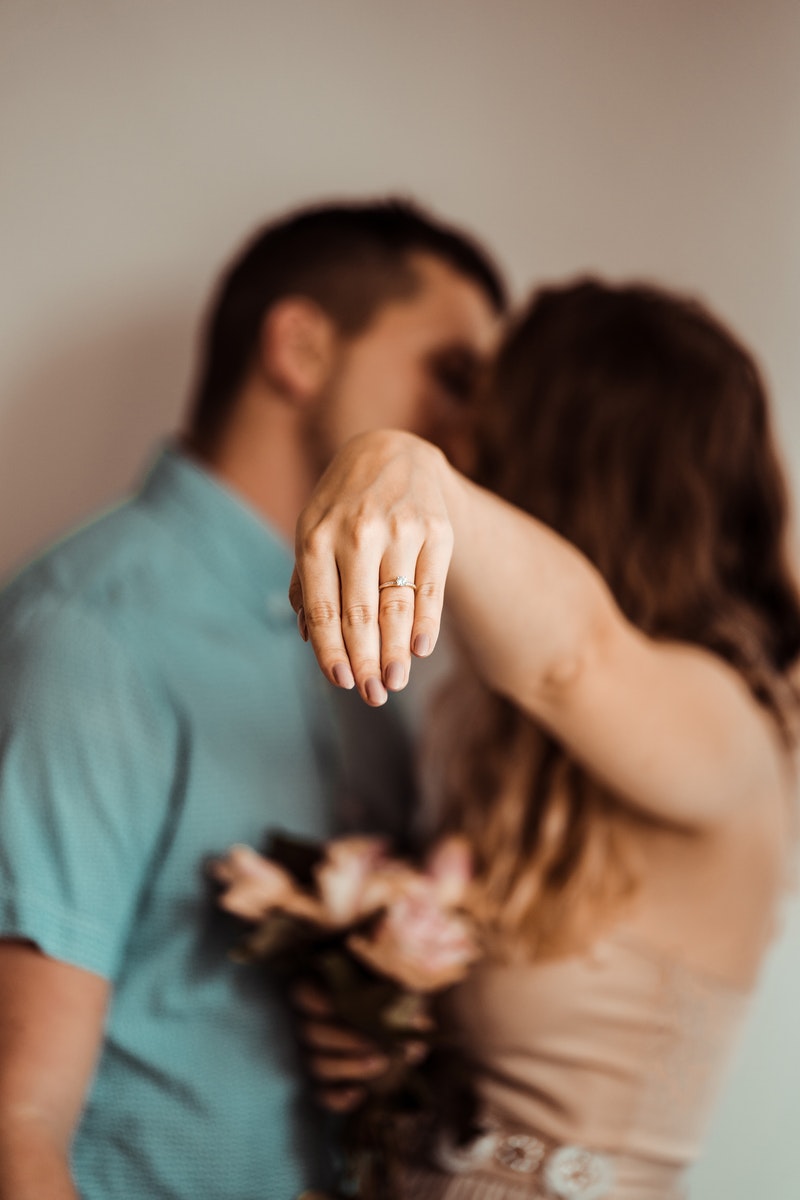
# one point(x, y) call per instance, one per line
point(157, 705)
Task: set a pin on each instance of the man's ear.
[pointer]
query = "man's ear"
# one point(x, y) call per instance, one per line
point(297, 349)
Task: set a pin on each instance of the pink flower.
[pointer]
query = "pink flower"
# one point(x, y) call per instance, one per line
point(420, 938)
point(420, 943)
point(449, 864)
point(344, 876)
point(254, 886)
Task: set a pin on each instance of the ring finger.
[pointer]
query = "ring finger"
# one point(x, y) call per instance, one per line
point(396, 604)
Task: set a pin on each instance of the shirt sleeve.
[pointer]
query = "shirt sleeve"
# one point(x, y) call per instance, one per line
point(86, 763)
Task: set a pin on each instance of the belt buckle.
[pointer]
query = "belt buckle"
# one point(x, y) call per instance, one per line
point(576, 1173)
point(568, 1172)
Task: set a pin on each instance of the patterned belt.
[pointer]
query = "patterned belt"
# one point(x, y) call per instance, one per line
point(563, 1172)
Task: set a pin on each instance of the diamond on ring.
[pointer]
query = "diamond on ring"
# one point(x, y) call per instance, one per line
point(398, 581)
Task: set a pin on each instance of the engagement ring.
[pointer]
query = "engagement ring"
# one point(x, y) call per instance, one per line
point(398, 581)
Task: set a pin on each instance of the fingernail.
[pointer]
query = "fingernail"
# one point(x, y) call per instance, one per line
point(422, 644)
point(377, 1063)
point(301, 624)
point(395, 676)
point(343, 676)
point(376, 693)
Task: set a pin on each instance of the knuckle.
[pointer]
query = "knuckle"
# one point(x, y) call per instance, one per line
point(402, 521)
point(364, 528)
point(357, 615)
point(321, 614)
point(430, 590)
point(313, 541)
point(439, 531)
point(396, 605)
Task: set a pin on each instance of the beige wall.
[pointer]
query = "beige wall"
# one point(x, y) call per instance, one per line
point(139, 141)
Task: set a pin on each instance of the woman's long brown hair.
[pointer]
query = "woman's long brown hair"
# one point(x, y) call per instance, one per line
point(635, 425)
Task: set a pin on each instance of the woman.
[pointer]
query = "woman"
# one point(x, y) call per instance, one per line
point(619, 751)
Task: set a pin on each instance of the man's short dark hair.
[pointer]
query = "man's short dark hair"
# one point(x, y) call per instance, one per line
point(348, 258)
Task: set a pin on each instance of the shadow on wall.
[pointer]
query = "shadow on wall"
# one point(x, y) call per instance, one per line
point(76, 430)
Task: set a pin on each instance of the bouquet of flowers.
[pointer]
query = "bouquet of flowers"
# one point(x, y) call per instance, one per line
point(381, 937)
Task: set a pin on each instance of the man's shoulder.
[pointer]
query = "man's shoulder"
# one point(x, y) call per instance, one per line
point(97, 567)
point(72, 620)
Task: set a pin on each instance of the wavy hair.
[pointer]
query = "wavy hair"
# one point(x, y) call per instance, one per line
point(635, 425)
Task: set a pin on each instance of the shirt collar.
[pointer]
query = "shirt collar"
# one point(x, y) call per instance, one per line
point(233, 541)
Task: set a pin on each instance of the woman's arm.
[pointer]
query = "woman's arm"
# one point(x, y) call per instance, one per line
point(668, 727)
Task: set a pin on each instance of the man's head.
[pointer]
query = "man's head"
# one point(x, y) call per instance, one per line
point(351, 316)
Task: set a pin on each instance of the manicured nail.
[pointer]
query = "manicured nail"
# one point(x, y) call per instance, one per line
point(301, 624)
point(376, 693)
point(422, 645)
point(343, 676)
point(395, 676)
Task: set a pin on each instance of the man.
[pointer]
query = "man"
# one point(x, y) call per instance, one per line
point(157, 705)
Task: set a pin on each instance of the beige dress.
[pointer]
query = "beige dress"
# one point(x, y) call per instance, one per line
point(619, 1051)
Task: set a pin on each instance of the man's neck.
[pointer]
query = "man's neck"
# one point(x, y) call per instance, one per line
point(270, 469)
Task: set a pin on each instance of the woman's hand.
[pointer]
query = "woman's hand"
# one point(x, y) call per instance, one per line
point(377, 517)
point(342, 1062)
point(670, 729)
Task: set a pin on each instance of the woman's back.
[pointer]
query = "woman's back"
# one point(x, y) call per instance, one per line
point(618, 1050)
point(621, 1048)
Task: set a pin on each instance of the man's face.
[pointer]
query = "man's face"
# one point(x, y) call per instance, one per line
point(416, 366)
